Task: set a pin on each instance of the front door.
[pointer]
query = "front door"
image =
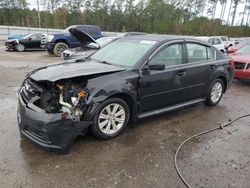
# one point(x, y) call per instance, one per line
point(34, 41)
point(161, 88)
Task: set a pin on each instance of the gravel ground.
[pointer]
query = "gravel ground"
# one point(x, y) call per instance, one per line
point(143, 156)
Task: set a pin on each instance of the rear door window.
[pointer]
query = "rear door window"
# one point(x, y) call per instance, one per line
point(199, 53)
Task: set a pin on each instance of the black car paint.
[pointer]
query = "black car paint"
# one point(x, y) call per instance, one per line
point(146, 92)
point(53, 73)
point(29, 43)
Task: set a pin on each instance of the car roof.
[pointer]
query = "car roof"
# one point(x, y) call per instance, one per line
point(160, 38)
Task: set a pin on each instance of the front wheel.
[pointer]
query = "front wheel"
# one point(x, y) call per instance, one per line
point(110, 119)
point(215, 92)
point(59, 48)
point(20, 47)
point(50, 52)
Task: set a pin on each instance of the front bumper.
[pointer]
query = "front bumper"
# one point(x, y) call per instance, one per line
point(49, 46)
point(9, 46)
point(48, 131)
point(242, 74)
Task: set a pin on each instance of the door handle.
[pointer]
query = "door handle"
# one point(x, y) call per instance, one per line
point(213, 67)
point(181, 73)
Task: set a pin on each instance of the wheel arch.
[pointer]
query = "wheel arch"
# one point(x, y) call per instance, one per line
point(224, 80)
point(62, 40)
point(127, 98)
point(121, 95)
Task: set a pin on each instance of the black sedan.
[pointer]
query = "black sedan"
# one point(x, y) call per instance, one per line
point(129, 79)
point(31, 41)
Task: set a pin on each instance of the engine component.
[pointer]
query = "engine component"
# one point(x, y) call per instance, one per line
point(72, 99)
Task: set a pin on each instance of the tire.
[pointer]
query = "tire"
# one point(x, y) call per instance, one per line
point(19, 47)
point(59, 48)
point(103, 122)
point(50, 52)
point(215, 92)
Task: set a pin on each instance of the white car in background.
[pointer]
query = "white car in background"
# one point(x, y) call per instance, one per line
point(215, 41)
point(227, 43)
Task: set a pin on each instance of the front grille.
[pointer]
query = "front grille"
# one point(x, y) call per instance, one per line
point(29, 90)
point(44, 39)
point(239, 65)
point(248, 66)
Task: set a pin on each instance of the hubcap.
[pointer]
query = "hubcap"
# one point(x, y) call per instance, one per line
point(20, 47)
point(216, 92)
point(111, 118)
point(61, 48)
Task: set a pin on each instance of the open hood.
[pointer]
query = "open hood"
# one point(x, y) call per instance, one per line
point(241, 57)
point(83, 37)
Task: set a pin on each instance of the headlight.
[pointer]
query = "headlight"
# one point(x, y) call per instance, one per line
point(50, 38)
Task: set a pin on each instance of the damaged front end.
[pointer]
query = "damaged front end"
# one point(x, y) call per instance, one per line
point(51, 114)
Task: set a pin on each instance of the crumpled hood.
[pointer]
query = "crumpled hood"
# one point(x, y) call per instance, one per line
point(69, 70)
point(245, 58)
point(15, 40)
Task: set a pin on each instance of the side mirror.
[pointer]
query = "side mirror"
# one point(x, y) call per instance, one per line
point(93, 46)
point(30, 39)
point(157, 67)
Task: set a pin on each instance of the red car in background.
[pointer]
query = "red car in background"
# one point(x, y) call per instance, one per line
point(237, 46)
point(241, 60)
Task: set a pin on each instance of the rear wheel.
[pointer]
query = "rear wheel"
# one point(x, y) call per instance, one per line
point(215, 92)
point(20, 47)
point(59, 48)
point(111, 118)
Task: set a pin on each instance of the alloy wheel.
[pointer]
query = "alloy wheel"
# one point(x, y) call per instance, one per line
point(216, 92)
point(112, 118)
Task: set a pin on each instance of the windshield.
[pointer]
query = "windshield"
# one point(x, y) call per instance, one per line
point(67, 29)
point(123, 52)
point(244, 50)
point(104, 41)
point(27, 36)
point(224, 39)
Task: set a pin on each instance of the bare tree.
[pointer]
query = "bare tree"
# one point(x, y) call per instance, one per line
point(236, 3)
point(223, 4)
point(229, 12)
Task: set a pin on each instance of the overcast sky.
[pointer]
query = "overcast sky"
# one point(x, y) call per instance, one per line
point(33, 4)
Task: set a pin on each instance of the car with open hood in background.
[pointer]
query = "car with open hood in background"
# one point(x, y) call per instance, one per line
point(129, 79)
point(89, 45)
point(241, 60)
point(236, 47)
point(56, 43)
point(31, 41)
point(88, 48)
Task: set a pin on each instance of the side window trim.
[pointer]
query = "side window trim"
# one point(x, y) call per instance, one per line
point(195, 42)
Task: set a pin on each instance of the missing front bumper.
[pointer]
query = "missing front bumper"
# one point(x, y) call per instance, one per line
point(48, 131)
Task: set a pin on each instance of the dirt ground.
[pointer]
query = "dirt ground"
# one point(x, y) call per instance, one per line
point(143, 156)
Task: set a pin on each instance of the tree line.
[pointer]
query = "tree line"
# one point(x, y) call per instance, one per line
point(185, 17)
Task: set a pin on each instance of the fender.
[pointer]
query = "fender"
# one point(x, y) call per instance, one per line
point(221, 71)
point(103, 87)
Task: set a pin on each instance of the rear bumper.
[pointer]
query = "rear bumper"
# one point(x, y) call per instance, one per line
point(48, 131)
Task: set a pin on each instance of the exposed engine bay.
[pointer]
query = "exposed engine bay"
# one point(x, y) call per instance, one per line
point(66, 96)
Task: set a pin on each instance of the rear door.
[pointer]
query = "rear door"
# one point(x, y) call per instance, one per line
point(161, 88)
point(200, 65)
